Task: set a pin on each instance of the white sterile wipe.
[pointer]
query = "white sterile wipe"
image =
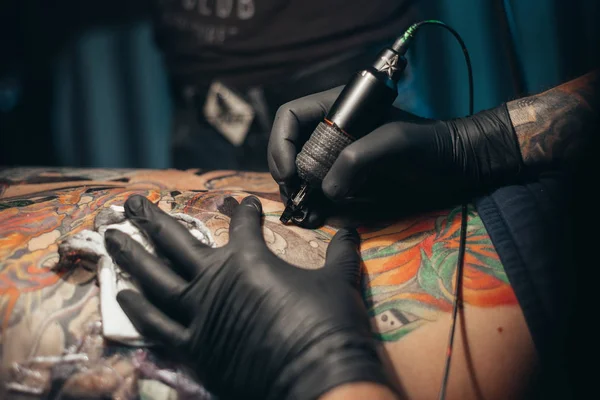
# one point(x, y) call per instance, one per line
point(115, 323)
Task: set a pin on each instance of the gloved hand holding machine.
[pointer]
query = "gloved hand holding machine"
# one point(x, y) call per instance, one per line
point(361, 129)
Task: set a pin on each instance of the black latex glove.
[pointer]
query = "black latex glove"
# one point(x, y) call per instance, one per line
point(405, 164)
point(249, 324)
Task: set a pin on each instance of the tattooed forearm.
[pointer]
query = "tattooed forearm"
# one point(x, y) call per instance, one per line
point(555, 126)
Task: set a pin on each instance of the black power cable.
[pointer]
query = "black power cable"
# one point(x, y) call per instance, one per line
point(398, 45)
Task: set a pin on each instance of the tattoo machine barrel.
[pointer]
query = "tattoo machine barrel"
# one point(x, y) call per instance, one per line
point(359, 109)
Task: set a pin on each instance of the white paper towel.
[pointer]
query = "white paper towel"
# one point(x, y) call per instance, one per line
point(115, 323)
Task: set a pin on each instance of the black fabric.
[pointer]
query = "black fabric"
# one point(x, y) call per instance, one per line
point(530, 227)
point(253, 42)
point(286, 49)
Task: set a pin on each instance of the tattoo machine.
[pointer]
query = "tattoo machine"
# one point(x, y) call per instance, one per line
point(359, 109)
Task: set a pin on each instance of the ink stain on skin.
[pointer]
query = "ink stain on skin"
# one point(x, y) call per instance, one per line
point(500, 329)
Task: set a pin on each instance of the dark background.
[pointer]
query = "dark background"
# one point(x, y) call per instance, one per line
point(83, 84)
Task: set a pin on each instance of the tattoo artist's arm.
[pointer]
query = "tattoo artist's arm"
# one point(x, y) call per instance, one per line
point(439, 161)
point(556, 125)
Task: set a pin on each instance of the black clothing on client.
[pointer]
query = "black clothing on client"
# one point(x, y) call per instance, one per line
point(530, 227)
point(232, 63)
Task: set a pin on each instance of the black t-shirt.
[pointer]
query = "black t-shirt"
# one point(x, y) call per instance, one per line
point(252, 41)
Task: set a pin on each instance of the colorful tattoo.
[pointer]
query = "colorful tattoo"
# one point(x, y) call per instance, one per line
point(47, 306)
point(411, 271)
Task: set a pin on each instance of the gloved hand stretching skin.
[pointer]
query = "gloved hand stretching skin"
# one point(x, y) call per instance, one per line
point(248, 323)
point(438, 161)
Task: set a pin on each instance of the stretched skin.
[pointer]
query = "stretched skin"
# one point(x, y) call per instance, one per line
point(409, 267)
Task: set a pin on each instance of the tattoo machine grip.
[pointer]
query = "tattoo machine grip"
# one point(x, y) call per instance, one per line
point(359, 109)
point(320, 152)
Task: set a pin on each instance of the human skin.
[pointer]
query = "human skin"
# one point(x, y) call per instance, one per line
point(409, 270)
point(359, 391)
point(555, 126)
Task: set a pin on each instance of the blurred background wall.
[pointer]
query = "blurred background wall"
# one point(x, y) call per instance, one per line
point(83, 84)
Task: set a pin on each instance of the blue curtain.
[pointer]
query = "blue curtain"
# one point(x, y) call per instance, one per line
point(112, 105)
point(517, 47)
